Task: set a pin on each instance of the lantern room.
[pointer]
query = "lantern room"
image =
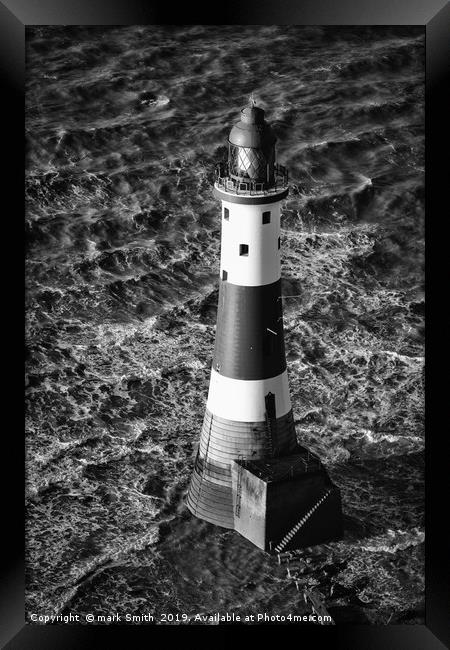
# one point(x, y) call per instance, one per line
point(251, 167)
point(251, 152)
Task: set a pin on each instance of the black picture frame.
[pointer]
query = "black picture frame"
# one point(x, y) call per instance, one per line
point(434, 15)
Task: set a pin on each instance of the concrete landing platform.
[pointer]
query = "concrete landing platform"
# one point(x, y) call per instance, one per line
point(285, 503)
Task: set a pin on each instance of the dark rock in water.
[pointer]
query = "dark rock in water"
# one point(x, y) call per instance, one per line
point(313, 416)
point(363, 199)
point(417, 308)
point(208, 308)
point(145, 309)
point(341, 591)
point(154, 486)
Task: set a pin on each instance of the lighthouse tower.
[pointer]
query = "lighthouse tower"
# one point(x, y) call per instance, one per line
point(248, 452)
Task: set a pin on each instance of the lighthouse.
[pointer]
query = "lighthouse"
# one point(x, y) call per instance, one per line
point(250, 472)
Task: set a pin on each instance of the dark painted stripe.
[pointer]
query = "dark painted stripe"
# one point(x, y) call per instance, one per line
point(245, 348)
point(250, 200)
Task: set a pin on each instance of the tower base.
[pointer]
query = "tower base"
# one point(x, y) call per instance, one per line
point(279, 504)
point(210, 495)
point(285, 503)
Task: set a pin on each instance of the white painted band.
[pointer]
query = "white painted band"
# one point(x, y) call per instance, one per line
point(245, 226)
point(243, 400)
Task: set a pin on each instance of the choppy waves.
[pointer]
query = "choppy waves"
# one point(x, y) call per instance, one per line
point(124, 126)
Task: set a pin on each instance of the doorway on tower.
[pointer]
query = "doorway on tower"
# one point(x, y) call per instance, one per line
point(271, 423)
point(270, 405)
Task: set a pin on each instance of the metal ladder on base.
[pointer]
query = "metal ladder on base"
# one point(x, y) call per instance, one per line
point(237, 510)
point(269, 436)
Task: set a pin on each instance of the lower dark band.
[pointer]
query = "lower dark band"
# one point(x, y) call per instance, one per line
point(249, 335)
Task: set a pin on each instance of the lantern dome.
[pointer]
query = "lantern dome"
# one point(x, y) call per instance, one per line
point(252, 130)
point(251, 153)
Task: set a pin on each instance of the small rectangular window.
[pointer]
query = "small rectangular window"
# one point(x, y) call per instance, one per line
point(243, 249)
point(224, 275)
point(266, 217)
point(226, 214)
point(279, 243)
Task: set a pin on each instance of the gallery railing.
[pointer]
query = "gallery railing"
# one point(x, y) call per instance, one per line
point(241, 185)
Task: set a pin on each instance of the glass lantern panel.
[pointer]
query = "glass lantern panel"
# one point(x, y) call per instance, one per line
point(248, 162)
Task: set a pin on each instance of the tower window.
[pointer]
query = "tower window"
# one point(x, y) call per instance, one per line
point(226, 214)
point(266, 217)
point(224, 275)
point(243, 249)
point(279, 243)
